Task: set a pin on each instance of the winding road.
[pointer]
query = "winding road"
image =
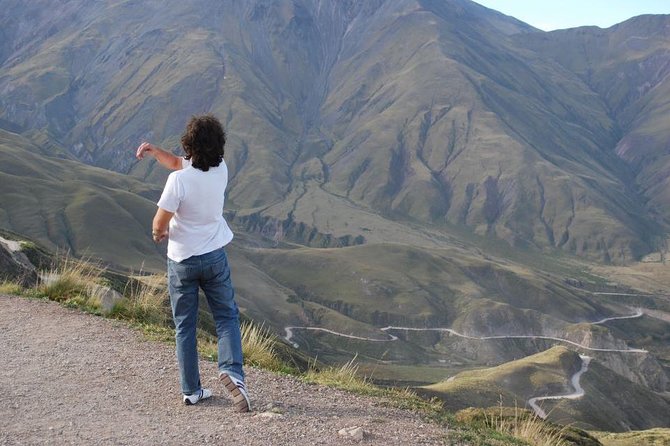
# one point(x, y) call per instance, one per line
point(289, 335)
point(638, 313)
point(533, 402)
point(578, 393)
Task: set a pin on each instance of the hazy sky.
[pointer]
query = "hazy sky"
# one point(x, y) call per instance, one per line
point(557, 14)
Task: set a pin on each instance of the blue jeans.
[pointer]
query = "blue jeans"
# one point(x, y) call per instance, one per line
point(211, 273)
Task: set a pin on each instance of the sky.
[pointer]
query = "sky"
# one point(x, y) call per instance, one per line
point(559, 14)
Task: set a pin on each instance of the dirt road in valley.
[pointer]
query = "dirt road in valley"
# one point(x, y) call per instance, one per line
point(638, 313)
point(533, 402)
point(74, 378)
point(575, 381)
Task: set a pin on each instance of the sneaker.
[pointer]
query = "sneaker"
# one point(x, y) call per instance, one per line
point(203, 394)
point(238, 391)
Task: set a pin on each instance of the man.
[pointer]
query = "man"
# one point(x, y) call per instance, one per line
point(190, 216)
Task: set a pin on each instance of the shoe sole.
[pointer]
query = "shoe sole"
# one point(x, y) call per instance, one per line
point(239, 400)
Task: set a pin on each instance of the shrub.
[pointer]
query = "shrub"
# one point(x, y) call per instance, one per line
point(146, 301)
point(258, 347)
point(11, 287)
point(71, 281)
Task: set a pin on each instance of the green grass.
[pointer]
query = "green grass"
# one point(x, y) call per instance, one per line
point(10, 287)
point(547, 372)
point(651, 437)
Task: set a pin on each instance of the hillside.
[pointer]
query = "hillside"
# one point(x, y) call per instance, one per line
point(516, 382)
point(627, 66)
point(610, 402)
point(73, 207)
point(614, 403)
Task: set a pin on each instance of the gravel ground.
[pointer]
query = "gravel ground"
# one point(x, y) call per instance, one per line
point(72, 378)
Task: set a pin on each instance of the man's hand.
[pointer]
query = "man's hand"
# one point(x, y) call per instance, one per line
point(165, 159)
point(159, 231)
point(146, 149)
point(159, 236)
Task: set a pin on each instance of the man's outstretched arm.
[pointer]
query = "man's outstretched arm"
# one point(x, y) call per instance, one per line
point(165, 159)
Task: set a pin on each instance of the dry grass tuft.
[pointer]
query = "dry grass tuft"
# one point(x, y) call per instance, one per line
point(258, 347)
point(525, 426)
point(347, 377)
point(146, 301)
point(71, 281)
point(11, 287)
point(344, 377)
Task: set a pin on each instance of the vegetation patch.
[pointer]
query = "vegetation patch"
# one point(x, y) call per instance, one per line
point(524, 425)
point(651, 437)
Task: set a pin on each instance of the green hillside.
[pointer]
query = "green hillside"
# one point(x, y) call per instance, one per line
point(651, 437)
point(611, 402)
point(72, 207)
point(547, 372)
point(626, 66)
point(416, 286)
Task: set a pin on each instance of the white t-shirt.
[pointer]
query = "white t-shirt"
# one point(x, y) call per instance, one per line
point(196, 198)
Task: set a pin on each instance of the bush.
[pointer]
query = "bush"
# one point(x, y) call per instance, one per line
point(71, 282)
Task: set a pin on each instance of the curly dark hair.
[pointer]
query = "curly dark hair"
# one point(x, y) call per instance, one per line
point(203, 142)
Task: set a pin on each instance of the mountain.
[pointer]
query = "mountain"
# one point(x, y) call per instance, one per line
point(627, 66)
point(437, 112)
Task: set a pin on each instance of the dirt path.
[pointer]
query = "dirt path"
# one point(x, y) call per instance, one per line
point(578, 393)
point(74, 378)
point(289, 335)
